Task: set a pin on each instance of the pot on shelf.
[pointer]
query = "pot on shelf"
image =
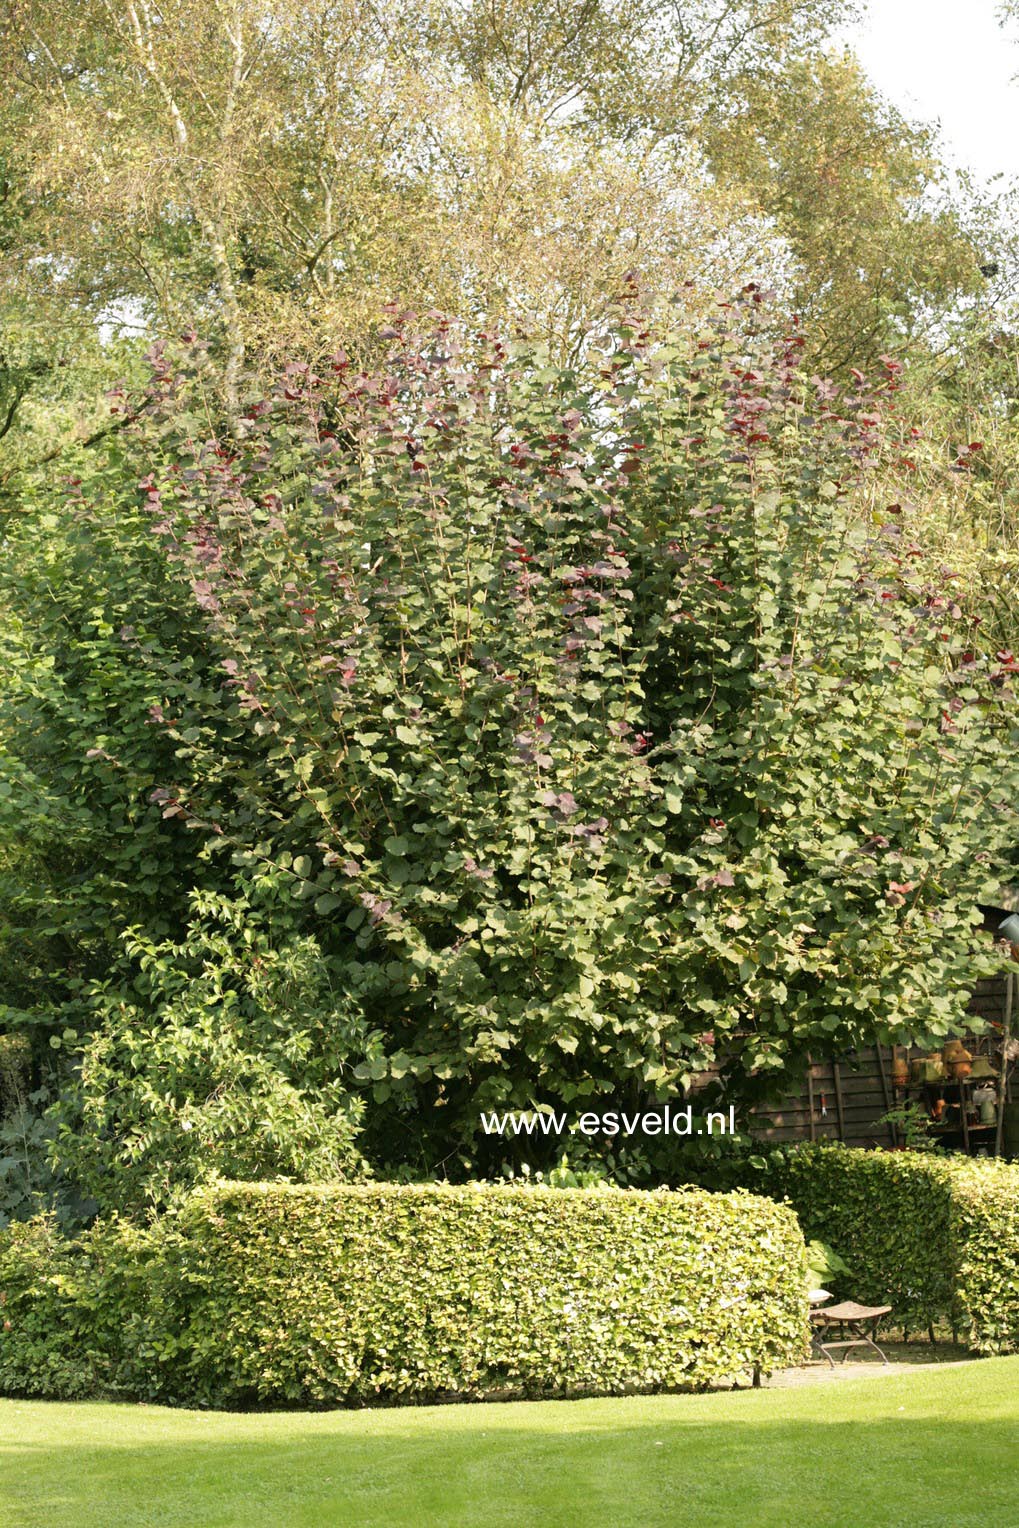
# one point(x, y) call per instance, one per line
point(933, 1068)
point(958, 1061)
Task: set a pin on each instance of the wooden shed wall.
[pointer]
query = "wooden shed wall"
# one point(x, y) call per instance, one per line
point(844, 1099)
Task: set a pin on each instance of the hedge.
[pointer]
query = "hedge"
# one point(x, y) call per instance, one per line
point(935, 1237)
point(350, 1294)
point(985, 1234)
point(887, 1213)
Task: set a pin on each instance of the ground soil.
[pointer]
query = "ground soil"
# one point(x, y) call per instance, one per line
point(902, 1357)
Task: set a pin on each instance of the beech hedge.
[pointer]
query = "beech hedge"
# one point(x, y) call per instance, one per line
point(266, 1294)
point(985, 1243)
point(935, 1237)
point(886, 1213)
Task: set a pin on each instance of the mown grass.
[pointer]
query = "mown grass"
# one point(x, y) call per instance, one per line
point(936, 1447)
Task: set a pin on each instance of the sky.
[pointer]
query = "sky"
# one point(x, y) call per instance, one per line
point(948, 60)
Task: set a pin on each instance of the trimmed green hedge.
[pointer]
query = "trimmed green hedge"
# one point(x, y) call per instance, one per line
point(935, 1237)
point(887, 1213)
point(985, 1233)
point(351, 1294)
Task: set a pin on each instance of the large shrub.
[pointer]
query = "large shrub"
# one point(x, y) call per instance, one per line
point(603, 743)
point(593, 741)
point(313, 1296)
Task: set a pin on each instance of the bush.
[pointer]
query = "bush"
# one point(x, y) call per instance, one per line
point(223, 1058)
point(279, 1294)
point(934, 1237)
point(43, 1314)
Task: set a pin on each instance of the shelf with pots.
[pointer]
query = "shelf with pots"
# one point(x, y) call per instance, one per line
point(959, 1092)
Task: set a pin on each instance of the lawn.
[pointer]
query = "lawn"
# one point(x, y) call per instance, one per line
point(929, 1447)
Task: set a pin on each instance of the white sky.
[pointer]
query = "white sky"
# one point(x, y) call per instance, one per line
point(949, 61)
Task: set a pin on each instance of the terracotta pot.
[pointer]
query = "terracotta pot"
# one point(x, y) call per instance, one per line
point(900, 1072)
point(960, 1069)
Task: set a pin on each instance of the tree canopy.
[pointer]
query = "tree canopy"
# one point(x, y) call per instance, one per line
point(272, 173)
